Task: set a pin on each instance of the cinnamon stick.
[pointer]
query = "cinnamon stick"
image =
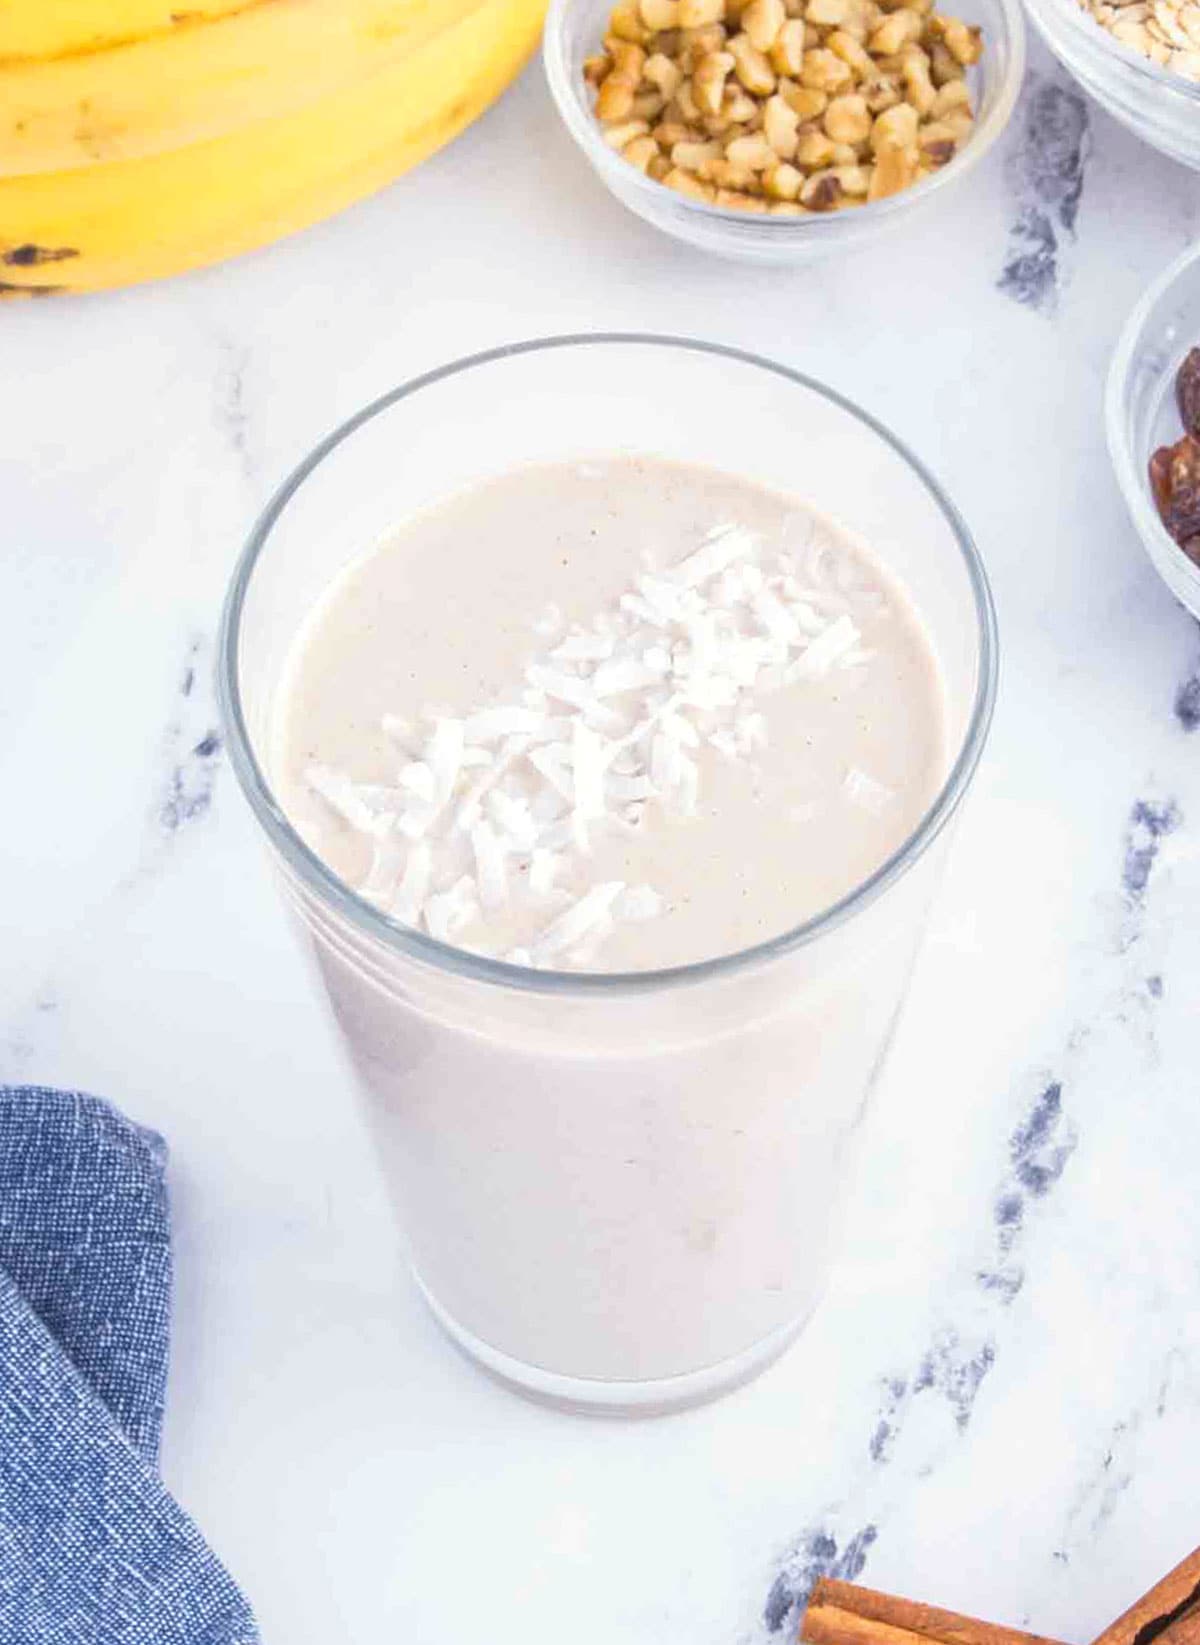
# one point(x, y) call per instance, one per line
point(1169, 1612)
point(842, 1613)
point(1185, 1630)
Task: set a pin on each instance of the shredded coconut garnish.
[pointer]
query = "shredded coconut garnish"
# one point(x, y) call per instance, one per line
point(496, 812)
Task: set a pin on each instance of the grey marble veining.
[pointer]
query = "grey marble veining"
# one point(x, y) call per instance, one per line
point(1046, 177)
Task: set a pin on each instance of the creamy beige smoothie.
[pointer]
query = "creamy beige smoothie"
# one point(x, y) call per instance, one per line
point(615, 715)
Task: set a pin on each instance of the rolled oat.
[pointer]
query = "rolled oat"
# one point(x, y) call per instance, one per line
point(1165, 31)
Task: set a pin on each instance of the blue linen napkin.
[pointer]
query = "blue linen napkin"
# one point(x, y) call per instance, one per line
point(93, 1550)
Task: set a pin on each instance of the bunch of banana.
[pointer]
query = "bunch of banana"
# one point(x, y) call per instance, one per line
point(142, 137)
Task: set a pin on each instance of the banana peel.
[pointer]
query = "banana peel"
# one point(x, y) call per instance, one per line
point(187, 84)
point(100, 226)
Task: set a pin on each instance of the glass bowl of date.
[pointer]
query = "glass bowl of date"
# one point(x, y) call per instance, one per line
point(814, 197)
point(1152, 405)
point(1110, 49)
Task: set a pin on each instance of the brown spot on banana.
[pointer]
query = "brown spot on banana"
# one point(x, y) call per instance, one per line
point(31, 256)
point(10, 292)
point(177, 20)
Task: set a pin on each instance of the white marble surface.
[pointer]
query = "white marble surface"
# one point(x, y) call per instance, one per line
point(999, 1404)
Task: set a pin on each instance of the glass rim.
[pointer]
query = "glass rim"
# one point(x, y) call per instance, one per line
point(316, 877)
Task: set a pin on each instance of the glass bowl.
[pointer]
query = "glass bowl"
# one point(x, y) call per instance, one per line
point(573, 31)
point(1141, 414)
point(1162, 108)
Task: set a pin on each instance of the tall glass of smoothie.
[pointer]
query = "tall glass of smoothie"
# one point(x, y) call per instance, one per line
point(605, 701)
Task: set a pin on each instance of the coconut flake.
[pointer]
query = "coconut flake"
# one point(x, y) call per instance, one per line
point(751, 733)
point(578, 920)
point(722, 546)
point(583, 953)
point(623, 674)
point(824, 650)
point(490, 874)
point(416, 778)
point(866, 791)
point(635, 606)
point(468, 811)
point(387, 864)
point(380, 798)
point(347, 800)
point(546, 806)
point(557, 836)
point(665, 760)
point(688, 787)
point(399, 731)
point(505, 720)
point(710, 691)
point(446, 912)
point(638, 902)
point(443, 755)
point(683, 731)
point(409, 902)
point(577, 833)
point(807, 617)
point(778, 621)
point(513, 818)
point(621, 788)
point(587, 772)
point(566, 688)
point(664, 599)
point(550, 762)
point(543, 866)
point(583, 648)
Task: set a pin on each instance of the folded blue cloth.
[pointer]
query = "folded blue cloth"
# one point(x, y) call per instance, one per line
point(93, 1551)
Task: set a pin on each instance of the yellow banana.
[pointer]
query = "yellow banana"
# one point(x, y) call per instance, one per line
point(187, 85)
point(136, 220)
point(55, 28)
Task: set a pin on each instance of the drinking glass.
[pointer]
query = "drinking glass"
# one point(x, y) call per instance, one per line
point(618, 1191)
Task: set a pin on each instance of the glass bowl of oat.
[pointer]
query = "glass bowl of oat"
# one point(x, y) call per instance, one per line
point(1140, 61)
point(781, 130)
point(1145, 413)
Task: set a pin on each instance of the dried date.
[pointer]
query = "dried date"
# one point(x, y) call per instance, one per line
point(1187, 392)
point(1175, 482)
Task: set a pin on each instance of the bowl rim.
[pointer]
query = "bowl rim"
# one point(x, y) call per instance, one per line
point(620, 177)
point(1096, 39)
point(316, 877)
point(1168, 559)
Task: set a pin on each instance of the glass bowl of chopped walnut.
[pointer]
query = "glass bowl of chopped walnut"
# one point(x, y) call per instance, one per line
point(1152, 411)
point(779, 130)
point(1140, 60)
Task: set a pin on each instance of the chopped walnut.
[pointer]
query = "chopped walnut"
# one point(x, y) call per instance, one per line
point(787, 106)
